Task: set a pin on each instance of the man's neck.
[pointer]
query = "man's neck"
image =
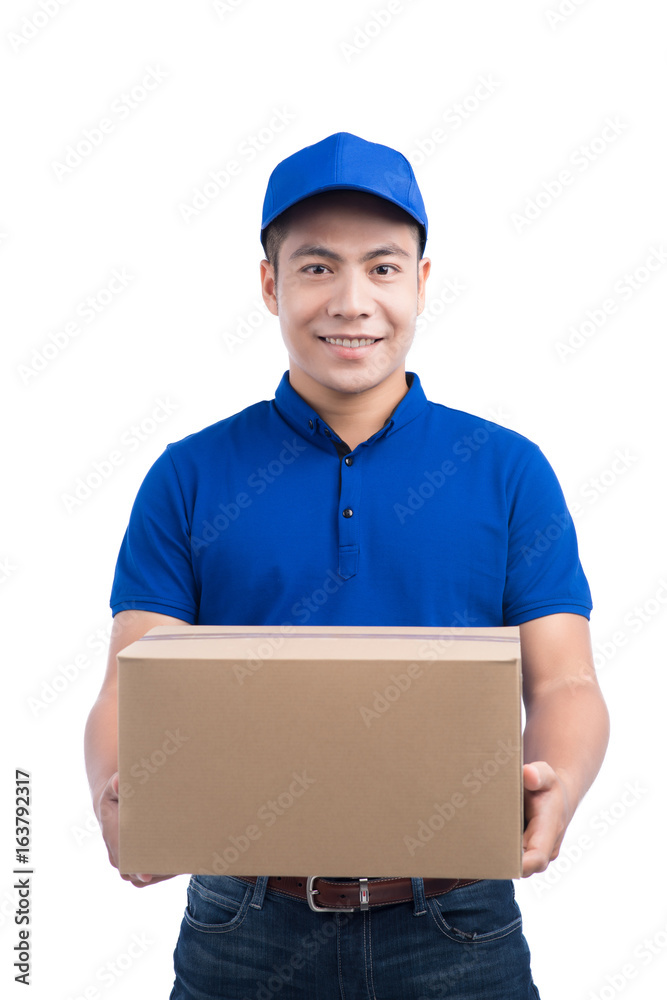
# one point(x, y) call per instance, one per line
point(354, 417)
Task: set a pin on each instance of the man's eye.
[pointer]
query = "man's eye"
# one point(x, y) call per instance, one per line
point(316, 269)
point(384, 269)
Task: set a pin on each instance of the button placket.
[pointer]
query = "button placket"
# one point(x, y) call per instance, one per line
point(349, 518)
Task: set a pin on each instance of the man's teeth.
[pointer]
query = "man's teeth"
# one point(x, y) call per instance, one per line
point(346, 342)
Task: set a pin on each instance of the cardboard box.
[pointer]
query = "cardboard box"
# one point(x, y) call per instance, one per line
point(321, 751)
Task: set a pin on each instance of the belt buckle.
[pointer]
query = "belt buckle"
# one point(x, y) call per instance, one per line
point(311, 893)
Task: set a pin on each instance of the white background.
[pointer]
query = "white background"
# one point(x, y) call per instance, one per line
point(218, 76)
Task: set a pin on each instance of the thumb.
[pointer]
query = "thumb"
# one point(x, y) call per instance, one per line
point(536, 775)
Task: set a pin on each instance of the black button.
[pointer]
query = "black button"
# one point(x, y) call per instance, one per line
point(348, 460)
point(327, 432)
point(310, 424)
point(348, 512)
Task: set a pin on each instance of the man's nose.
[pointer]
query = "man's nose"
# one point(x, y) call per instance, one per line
point(351, 296)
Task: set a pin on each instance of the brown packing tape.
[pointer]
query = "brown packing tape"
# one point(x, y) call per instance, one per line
point(326, 635)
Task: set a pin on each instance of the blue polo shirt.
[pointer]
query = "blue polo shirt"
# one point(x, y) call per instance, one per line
point(268, 518)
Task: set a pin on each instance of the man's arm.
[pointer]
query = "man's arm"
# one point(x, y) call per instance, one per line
point(566, 734)
point(101, 737)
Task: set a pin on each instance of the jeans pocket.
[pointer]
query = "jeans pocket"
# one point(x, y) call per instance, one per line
point(479, 913)
point(217, 904)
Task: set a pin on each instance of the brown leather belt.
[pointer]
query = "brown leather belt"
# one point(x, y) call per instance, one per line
point(355, 894)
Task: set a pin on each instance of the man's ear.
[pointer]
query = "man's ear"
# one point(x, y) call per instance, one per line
point(422, 277)
point(268, 286)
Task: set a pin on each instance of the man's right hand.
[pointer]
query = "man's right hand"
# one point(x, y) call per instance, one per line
point(101, 737)
point(107, 814)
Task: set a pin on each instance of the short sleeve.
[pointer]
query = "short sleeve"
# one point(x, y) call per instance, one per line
point(544, 573)
point(154, 570)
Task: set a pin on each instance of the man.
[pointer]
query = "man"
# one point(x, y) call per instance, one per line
point(317, 493)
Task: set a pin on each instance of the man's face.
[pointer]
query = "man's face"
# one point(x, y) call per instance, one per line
point(350, 287)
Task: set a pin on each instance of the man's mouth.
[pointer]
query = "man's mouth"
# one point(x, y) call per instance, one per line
point(351, 341)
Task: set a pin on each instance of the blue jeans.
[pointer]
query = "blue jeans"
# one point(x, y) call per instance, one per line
point(244, 942)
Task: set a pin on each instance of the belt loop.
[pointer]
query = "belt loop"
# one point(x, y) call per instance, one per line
point(260, 891)
point(419, 897)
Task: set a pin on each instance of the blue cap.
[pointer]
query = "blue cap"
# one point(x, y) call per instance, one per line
point(344, 162)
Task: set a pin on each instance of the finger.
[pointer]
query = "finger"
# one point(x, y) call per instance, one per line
point(533, 861)
point(538, 775)
point(541, 841)
point(108, 809)
point(542, 830)
point(539, 854)
point(137, 880)
point(160, 878)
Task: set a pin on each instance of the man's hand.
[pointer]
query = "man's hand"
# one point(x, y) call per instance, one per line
point(101, 738)
point(567, 724)
point(546, 812)
point(107, 813)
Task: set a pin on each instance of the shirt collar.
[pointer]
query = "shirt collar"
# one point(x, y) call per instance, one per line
point(307, 422)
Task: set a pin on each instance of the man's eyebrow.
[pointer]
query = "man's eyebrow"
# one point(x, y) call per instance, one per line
point(316, 250)
point(386, 250)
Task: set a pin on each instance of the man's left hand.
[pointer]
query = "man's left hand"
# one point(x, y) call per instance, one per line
point(547, 814)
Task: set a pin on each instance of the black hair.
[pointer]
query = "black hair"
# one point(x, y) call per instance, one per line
point(275, 234)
